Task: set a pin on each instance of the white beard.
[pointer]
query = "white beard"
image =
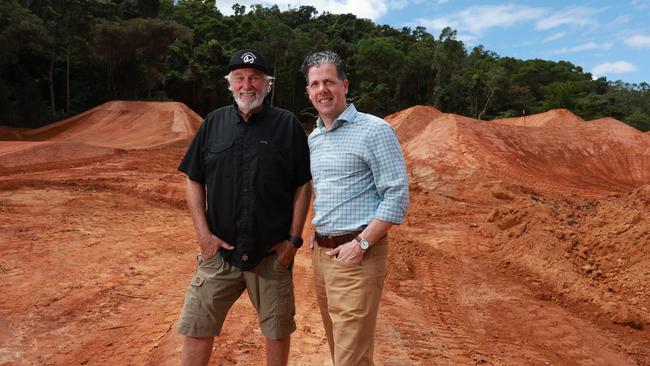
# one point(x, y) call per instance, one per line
point(249, 105)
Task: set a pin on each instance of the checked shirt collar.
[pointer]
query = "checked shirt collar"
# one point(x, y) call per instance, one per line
point(348, 116)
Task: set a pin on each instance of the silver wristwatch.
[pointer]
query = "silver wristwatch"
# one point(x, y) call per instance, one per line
point(363, 243)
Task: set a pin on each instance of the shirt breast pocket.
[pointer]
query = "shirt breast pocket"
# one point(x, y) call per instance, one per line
point(275, 163)
point(219, 159)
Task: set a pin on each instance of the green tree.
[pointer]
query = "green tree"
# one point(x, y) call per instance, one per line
point(639, 120)
point(482, 81)
point(418, 81)
point(128, 9)
point(379, 63)
point(23, 60)
point(136, 47)
point(69, 23)
point(448, 60)
point(70, 55)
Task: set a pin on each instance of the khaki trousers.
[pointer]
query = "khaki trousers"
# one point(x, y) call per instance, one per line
point(348, 298)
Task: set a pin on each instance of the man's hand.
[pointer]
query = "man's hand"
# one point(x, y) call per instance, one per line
point(285, 252)
point(348, 253)
point(211, 245)
point(312, 241)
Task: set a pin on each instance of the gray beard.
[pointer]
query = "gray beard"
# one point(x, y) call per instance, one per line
point(249, 106)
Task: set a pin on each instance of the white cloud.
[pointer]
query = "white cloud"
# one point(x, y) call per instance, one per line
point(371, 9)
point(398, 4)
point(618, 67)
point(584, 47)
point(641, 4)
point(554, 37)
point(638, 41)
point(479, 19)
point(578, 16)
point(468, 39)
point(621, 20)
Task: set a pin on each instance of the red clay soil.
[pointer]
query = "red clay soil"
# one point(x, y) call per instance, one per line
point(525, 244)
point(411, 121)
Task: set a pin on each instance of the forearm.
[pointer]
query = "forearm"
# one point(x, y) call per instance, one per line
point(300, 208)
point(375, 230)
point(195, 195)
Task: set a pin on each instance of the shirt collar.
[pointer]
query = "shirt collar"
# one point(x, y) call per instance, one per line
point(253, 116)
point(348, 116)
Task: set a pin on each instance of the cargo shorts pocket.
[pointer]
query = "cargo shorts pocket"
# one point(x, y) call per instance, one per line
point(197, 280)
point(190, 323)
point(284, 288)
point(194, 293)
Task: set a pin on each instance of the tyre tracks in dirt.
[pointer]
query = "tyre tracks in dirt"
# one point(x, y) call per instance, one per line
point(420, 309)
point(451, 305)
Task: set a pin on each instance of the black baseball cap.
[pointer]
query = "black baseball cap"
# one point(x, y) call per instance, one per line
point(248, 58)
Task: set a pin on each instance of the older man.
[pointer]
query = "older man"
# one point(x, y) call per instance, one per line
point(360, 191)
point(248, 191)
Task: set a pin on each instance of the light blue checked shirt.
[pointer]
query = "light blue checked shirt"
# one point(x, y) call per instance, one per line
point(359, 173)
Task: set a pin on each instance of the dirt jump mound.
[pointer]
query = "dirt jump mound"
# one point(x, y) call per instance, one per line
point(556, 150)
point(526, 243)
point(103, 130)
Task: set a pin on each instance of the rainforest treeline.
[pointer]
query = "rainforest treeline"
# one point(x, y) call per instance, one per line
point(61, 57)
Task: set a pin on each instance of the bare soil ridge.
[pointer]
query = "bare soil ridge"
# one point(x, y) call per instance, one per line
point(103, 130)
point(555, 150)
point(527, 243)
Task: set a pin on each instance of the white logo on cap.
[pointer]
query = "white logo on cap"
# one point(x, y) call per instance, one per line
point(248, 57)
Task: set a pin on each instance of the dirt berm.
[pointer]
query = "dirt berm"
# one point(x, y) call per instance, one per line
point(527, 243)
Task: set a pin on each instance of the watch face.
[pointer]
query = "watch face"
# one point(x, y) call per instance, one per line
point(364, 244)
point(296, 241)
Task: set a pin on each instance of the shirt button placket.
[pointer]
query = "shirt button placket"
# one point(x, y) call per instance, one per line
point(244, 223)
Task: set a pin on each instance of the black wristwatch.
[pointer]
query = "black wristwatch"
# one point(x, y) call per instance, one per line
point(295, 240)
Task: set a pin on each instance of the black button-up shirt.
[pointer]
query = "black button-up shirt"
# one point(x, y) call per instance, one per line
point(251, 170)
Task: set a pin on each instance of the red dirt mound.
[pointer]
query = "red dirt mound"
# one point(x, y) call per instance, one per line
point(22, 153)
point(611, 129)
point(552, 118)
point(496, 263)
point(123, 124)
point(411, 121)
point(554, 154)
point(11, 133)
point(103, 130)
point(582, 250)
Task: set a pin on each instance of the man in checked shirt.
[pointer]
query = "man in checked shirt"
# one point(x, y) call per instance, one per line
point(361, 191)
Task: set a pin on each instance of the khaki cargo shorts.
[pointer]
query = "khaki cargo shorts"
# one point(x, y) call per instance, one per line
point(216, 285)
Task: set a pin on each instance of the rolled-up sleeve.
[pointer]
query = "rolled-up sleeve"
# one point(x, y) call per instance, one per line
point(388, 167)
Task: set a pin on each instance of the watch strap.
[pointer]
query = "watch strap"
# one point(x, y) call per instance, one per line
point(295, 240)
point(359, 240)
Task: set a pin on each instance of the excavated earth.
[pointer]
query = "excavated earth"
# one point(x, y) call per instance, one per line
point(527, 243)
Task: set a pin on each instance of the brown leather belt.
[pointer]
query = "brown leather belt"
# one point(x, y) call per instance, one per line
point(334, 241)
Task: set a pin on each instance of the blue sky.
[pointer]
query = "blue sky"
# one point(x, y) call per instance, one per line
point(606, 38)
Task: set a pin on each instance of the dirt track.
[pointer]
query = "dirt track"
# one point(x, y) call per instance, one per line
point(492, 267)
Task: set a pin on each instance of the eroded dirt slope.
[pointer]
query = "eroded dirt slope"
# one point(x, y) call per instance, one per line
point(560, 153)
point(97, 133)
point(503, 260)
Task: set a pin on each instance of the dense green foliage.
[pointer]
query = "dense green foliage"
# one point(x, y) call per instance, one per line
point(61, 57)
